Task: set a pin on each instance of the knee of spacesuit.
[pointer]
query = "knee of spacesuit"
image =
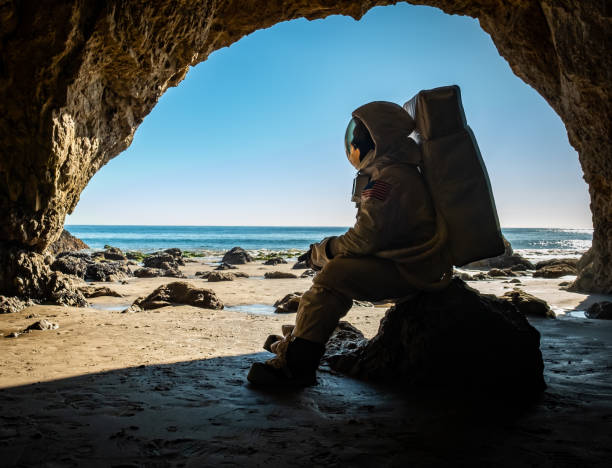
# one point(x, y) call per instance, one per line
point(319, 312)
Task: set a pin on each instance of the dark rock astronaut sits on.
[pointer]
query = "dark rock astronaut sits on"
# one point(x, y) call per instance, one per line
point(397, 247)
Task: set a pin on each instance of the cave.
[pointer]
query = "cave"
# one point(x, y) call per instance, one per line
point(76, 84)
point(76, 80)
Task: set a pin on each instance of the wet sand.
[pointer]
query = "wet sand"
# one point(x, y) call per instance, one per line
point(168, 388)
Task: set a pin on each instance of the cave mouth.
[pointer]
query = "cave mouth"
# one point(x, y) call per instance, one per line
point(302, 80)
point(104, 67)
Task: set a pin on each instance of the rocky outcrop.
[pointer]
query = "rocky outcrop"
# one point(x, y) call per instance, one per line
point(177, 293)
point(10, 305)
point(236, 256)
point(66, 242)
point(528, 304)
point(556, 268)
point(76, 84)
point(164, 261)
point(455, 341)
point(84, 267)
point(600, 310)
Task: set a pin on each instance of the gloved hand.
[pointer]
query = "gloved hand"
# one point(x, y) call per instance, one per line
point(307, 259)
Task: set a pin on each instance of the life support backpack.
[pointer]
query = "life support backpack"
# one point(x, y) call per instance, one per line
point(456, 175)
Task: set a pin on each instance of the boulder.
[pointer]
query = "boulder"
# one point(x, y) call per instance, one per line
point(300, 266)
point(237, 256)
point(71, 265)
point(146, 272)
point(178, 292)
point(600, 310)
point(163, 261)
point(345, 340)
point(275, 261)
point(556, 268)
point(225, 266)
point(288, 304)
point(279, 275)
point(66, 243)
point(98, 291)
point(107, 271)
point(528, 305)
point(113, 253)
point(216, 276)
point(11, 304)
point(175, 252)
point(455, 341)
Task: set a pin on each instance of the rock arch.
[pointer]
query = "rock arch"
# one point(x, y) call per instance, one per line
point(78, 77)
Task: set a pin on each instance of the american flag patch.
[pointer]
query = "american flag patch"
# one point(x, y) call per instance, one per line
point(376, 189)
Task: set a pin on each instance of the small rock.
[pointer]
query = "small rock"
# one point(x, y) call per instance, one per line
point(216, 276)
point(203, 274)
point(528, 305)
point(600, 310)
point(113, 253)
point(308, 274)
point(279, 275)
point(42, 324)
point(237, 256)
point(275, 261)
point(288, 304)
point(163, 261)
point(240, 274)
point(148, 272)
point(98, 291)
point(515, 281)
point(225, 266)
point(13, 335)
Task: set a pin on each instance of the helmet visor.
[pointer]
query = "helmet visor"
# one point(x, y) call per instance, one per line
point(348, 136)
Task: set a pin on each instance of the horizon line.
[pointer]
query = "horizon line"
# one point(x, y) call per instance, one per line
point(291, 225)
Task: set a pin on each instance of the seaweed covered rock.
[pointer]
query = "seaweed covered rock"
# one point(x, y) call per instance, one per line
point(236, 256)
point(455, 341)
point(164, 261)
point(178, 292)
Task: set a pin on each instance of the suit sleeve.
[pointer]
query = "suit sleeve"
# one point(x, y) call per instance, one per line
point(368, 236)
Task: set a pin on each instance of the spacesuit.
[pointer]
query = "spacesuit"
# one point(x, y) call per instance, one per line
point(396, 248)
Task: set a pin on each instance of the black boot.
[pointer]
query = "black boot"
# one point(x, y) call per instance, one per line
point(295, 366)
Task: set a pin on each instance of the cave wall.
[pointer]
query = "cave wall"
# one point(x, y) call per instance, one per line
point(77, 77)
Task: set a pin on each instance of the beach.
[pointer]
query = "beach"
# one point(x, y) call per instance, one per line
point(109, 386)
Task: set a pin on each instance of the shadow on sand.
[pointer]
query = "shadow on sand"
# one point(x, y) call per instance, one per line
point(204, 413)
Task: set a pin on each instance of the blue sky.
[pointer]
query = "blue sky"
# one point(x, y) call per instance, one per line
point(254, 135)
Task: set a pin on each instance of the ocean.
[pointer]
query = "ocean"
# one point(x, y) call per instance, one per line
point(536, 244)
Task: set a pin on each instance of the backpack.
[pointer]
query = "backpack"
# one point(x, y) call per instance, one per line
point(456, 174)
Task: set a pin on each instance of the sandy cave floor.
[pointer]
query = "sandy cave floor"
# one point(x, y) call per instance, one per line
point(168, 388)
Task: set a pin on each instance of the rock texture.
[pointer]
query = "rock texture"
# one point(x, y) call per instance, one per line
point(66, 243)
point(452, 341)
point(279, 275)
point(178, 292)
point(600, 310)
point(75, 85)
point(528, 304)
point(236, 256)
point(288, 304)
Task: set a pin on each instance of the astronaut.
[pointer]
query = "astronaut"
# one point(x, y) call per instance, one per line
point(396, 248)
